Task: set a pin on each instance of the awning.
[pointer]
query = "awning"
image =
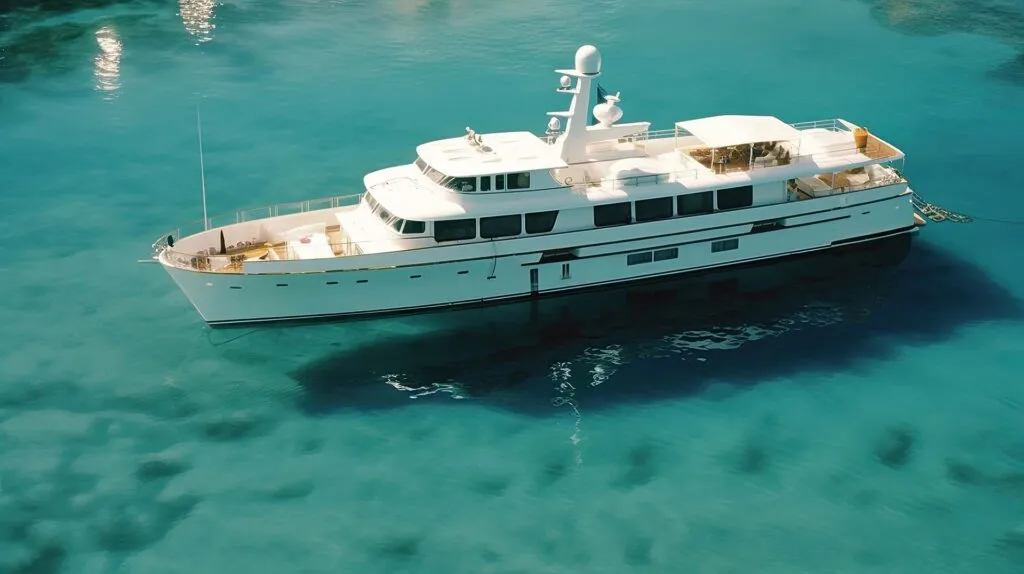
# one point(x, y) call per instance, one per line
point(722, 131)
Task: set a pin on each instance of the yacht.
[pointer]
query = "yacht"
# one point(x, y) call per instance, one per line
point(483, 218)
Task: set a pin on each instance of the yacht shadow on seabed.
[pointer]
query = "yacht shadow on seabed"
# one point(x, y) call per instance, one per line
point(672, 338)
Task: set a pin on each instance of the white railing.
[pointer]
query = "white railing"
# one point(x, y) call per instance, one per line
point(833, 125)
point(255, 214)
point(615, 183)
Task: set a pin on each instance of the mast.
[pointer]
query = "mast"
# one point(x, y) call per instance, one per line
point(202, 169)
point(572, 143)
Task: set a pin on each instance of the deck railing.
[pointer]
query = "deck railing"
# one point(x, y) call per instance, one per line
point(255, 214)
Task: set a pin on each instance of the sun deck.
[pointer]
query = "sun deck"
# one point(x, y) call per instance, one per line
point(724, 148)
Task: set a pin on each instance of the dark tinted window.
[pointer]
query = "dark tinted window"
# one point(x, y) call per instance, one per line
point(612, 214)
point(485, 183)
point(736, 197)
point(638, 258)
point(541, 221)
point(455, 229)
point(652, 209)
point(463, 183)
point(663, 254)
point(519, 180)
point(501, 226)
point(696, 203)
point(725, 245)
point(499, 182)
point(412, 226)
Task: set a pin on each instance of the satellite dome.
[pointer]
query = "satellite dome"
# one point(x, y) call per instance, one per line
point(588, 60)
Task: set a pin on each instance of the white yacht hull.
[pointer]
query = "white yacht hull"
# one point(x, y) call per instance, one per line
point(231, 298)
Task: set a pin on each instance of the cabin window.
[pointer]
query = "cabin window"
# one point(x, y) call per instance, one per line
point(413, 226)
point(696, 203)
point(396, 224)
point(725, 245)
point(519, 180)
point(454, 229)
point(485, 183)
point(612, 214)
point(421, 164)
point(501, 226)
point(736, 197)
point(499, 182)
point(541, 221)
point(463, 184)
point(638, 258)
point(665, 254)
point(654, 209)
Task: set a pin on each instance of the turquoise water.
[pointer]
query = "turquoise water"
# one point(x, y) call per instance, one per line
point(868, 424)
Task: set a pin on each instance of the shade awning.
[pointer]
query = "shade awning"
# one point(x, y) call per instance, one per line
point(722, 131)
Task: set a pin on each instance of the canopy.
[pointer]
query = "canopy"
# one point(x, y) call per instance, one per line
point(722, 131)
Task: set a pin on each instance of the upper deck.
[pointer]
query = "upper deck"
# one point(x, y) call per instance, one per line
point(480, 154)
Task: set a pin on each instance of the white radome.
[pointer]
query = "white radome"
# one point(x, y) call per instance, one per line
point(588, 60)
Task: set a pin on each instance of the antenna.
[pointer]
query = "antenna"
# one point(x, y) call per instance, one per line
point(202, 169)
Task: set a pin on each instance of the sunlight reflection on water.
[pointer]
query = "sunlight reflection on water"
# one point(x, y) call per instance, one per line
point(107, 69)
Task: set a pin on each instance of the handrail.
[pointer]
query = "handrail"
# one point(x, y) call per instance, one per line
point(255, 214)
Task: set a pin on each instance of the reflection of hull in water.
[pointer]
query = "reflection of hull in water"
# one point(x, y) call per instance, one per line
point(485, 351)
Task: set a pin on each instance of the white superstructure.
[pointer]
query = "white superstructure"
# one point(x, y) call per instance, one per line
point(483, 218)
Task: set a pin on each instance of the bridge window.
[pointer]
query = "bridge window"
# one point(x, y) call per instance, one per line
point(695, 203)
point(463, 184)
point(736, 197)
point(454, 230)
point(501, 226)
point(541, 221)
point(499, 182)
point(485, 183)
point(519, 180)
point(612, 214)
point(412, 227)
point(654, 209)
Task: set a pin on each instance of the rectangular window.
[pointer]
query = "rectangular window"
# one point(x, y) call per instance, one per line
point(541, 221)
point(463, 184)
point(519, 180)
point(638, 258)
point(654, 209)
point(696, 203)
point(736, 197)
point(413, 226)
point(501, 226)
point(612, 214)
point(499, 182)
point(725, 245)
point(454, 229)
point(664, 254)
point(485, 183)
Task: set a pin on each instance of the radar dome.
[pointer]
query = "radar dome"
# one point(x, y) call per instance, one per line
point(588, 60)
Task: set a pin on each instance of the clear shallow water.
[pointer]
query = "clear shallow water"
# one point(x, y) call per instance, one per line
point(870, 424)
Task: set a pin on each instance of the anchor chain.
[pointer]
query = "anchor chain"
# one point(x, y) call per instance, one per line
point(937, 213)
